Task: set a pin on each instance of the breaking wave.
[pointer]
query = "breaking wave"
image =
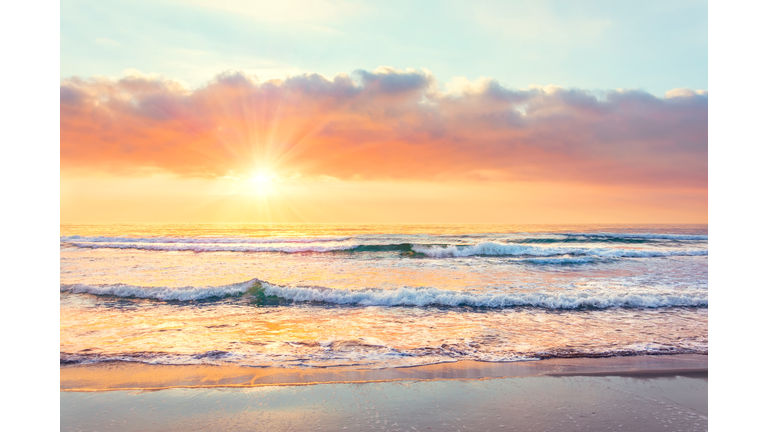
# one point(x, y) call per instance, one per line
point(513, 248)
point(405, 296)
point(437, 297)
point(159, 292)
point(493, 248)
point(646, 236)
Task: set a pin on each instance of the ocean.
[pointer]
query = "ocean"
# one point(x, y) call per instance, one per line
point(379, 296)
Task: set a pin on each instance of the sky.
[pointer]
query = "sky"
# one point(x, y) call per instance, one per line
point(325, 111)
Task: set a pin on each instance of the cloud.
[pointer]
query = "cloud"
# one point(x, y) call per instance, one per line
point(685, 92)
point(392, 81)
point(384, 124)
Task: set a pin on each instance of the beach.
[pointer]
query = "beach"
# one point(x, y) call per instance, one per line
point(383, 327)
point(619, 393)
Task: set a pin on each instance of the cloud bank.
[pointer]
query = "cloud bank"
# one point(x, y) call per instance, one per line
point(384, 124)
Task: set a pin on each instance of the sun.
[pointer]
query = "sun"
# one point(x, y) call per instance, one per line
point(262, 178)
point(263, 183)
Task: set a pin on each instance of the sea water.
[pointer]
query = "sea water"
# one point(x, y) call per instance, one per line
point(377, 296)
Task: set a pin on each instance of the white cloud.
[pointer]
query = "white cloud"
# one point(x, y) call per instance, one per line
point(684, 92)
point(461, 85)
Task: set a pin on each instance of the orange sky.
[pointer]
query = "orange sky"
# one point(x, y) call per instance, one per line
point(378, 146)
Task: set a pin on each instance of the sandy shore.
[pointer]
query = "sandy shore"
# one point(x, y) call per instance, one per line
point(139, 376)
point(665, 393)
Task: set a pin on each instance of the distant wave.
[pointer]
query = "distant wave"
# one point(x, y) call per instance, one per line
point(337, 244)
point(493, 248)
point(214, 247)
point(647, 236)
point(203, 240)
point(405, 296)
point(606, 238)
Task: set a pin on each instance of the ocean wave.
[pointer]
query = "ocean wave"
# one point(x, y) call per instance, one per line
point(196, 247)
point(186, 293)
point(437, 297)
point(574, 255)
point(646, 236)
point(404, 296)
point(372, 357)
point(203, 240)
point(499, 249)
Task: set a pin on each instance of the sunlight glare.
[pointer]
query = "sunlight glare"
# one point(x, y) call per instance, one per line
point(262, 178)
point(264, 183)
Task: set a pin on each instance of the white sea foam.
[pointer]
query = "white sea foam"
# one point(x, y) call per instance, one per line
point(562, 260)
point(406, 296)
point(492, 248)
point(434, 251)
point(159, 292)
point(648, 236)
point(213, 247)
point(432, 296)
point(204, 240)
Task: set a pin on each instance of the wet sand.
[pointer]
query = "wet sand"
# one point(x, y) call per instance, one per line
point(140, 376)
point(625, 393)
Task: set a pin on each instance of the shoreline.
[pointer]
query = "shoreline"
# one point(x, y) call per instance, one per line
point(127, 376)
